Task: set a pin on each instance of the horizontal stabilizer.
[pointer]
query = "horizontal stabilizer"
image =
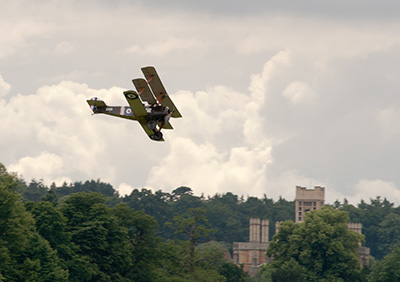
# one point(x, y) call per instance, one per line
point(95, 102)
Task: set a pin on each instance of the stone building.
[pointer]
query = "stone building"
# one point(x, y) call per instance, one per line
point(308, 200)
point(253, 253)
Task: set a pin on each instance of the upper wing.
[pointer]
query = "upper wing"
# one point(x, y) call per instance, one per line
point(135, 103)
point(144, 91)
point(159, 91)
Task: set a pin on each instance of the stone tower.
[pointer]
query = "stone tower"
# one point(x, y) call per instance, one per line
point(308, 200)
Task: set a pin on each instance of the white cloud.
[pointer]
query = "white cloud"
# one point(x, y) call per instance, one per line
point(46, 166)
point(124, 189)
point(299, 92)
point(4, 87)
point(59, 138)
point(207, 170)
point(240, 161)
point(254, 129)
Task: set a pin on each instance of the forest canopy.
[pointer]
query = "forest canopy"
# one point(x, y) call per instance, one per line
point(86, 231)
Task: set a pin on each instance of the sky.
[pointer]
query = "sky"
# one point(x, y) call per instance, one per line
point(274, 95)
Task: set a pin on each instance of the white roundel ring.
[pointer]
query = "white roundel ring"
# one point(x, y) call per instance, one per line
point(128, 111)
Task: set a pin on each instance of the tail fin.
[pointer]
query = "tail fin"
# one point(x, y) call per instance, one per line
point(94, 103)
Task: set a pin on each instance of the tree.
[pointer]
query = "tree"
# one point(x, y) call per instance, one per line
point(35, 191)
point(322, 247)
point(371, 215)
point(145, 248)
point(195, 225)
point(99, 247)
point(388, 269)
point(289, 270)
point(232, 272)
point(50, 223)
point(24, 254)
point(389, 233)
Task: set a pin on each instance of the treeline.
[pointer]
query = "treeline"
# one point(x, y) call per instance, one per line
point(79, 237)
point(229, 214)
point(86, 231)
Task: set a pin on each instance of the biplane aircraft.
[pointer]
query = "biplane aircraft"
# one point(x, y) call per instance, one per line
point(150, 105)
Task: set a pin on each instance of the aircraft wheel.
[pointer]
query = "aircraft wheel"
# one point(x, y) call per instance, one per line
point(158, 135)
point(151, 124)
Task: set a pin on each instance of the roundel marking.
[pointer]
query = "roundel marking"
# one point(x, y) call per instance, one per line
point(132, 96)
point(128, 111)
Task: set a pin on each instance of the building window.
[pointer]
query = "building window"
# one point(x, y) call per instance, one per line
point(299, 213)
point(300, 209)
point(255, 259)
point(308, 204)
point(299, 218)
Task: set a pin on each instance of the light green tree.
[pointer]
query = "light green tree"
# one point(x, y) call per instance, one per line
point(24, 254)
point(321, 248)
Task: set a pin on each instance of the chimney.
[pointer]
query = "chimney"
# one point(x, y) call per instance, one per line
point(254, 230)
point(264, 230)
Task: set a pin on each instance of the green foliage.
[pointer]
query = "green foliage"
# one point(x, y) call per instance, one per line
point(195, 225)
point(50, 223)
point(68, 232)
point(388, 269)
point(289, 270)
point(97, 238)
point(389, 233)
point(232, 273)
point(372, 217)
point(35, 191)
point(322, 248)
point(24, 254)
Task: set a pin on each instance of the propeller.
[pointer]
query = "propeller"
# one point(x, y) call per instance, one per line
point(167, 117)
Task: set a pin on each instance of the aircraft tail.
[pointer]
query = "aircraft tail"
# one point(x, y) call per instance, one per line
point(95, 103)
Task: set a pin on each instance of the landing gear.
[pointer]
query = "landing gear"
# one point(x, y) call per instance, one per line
point(157, 136)
point(151, 124)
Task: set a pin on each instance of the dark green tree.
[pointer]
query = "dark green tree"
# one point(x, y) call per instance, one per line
point(145, 248)
point(371, 215)
point(232, 273)
point(156, 205)
point(389, 233)
point(223, 216)
point(195, 226)
point(35, 191)
point(388, 269)
point(99, 245)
